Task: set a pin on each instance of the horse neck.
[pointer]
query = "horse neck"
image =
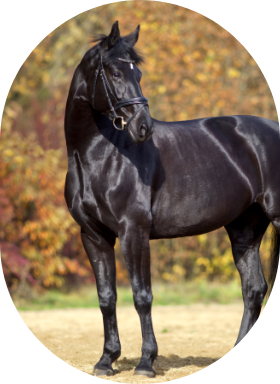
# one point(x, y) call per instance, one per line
point(80, 120)
point(85, 126)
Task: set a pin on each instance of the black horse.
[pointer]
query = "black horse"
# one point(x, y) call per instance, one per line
point(190, 177)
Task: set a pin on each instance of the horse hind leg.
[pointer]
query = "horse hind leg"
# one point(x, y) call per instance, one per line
point(275, 248)
point(270, 204)
point(246, 233)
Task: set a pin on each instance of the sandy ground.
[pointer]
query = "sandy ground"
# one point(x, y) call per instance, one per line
point(189, 337)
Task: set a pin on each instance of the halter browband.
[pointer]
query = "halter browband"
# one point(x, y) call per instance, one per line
point(119, 104)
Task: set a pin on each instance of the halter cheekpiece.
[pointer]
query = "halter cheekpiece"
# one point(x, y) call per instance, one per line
point(119, 104)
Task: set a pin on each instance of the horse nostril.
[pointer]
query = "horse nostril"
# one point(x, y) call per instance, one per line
point(143, 131)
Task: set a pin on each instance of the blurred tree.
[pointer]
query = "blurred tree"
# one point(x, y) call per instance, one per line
point(35, 224)
point(193, 68)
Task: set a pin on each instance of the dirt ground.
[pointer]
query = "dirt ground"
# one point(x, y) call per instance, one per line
point(189, 337)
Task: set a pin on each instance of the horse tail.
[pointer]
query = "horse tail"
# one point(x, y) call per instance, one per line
point(274, 259)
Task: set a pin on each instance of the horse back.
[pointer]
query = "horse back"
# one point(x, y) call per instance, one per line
point(214, 169)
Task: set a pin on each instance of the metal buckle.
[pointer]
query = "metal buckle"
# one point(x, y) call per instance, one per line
point(123, 123)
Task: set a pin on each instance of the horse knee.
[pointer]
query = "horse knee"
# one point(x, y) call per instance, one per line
point(255, 295)
point(143, 301)
point(107, 302)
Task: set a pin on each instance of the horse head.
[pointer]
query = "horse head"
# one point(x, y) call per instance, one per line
point(115, 84)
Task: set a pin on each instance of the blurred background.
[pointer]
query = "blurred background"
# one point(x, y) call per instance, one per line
point(193, 68)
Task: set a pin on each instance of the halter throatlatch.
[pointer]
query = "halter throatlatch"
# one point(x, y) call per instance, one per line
point(119, 104)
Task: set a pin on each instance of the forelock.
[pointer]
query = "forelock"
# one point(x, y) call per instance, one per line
point(121, 50)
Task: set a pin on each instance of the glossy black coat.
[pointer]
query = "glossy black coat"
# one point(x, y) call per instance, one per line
point(187, 178)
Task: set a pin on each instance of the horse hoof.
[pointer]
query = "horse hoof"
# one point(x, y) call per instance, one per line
point(103, 372)
point(145, 373)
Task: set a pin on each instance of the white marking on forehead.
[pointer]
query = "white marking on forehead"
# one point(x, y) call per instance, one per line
point(128, 61)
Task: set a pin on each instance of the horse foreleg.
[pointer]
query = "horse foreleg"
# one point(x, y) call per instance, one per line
point(246, 233)
point(136, 250)
point(102, 258)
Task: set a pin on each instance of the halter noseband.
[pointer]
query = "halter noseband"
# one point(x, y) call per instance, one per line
point(119, 104)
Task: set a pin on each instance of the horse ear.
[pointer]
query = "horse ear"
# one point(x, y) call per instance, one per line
point(114, 35)
point(133, 37)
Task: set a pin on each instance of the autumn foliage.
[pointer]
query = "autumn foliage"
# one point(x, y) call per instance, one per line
point(35, 224)
point(193, 68)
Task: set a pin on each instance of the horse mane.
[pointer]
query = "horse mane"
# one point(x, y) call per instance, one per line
point(121, 49)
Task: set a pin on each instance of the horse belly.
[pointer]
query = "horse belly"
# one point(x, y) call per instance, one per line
point(194, 208)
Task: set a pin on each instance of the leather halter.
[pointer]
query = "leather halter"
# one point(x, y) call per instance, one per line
point(119, 104)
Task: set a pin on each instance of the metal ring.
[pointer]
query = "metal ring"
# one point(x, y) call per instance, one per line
point(123, 123)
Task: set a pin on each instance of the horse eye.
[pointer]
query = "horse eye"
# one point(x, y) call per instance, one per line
point(116, 74)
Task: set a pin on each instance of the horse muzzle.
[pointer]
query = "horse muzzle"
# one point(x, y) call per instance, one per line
point(142, 134)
